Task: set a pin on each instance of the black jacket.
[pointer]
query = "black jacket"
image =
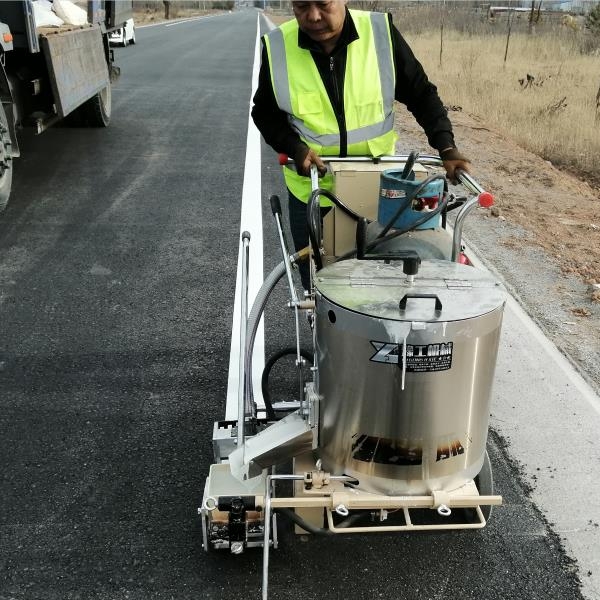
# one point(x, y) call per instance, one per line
point(412, 89)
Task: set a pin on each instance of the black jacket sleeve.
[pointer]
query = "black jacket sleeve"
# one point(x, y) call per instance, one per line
point(269, 119)
point(420, 96)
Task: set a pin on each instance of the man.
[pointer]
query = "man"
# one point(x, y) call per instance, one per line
point(327, 84)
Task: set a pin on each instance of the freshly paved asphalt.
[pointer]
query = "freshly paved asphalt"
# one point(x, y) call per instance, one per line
point(117, 270)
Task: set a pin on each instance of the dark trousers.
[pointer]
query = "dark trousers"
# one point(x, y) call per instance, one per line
point(299, 228)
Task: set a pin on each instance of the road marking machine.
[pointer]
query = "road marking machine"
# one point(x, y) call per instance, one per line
point(389, 432)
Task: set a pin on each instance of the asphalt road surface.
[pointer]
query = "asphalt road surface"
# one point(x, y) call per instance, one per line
point(118, 255)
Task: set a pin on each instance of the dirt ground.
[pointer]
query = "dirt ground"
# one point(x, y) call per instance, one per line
point(560, 210)
point(542, 236)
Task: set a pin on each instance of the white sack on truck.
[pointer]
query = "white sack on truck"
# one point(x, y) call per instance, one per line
point(43, 15)
point(70, 13)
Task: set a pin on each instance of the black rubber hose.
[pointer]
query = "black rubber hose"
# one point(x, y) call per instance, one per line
point(298, 520)
point(428, 215)
point(313, 215)
point(267, 371)
point(410, 163)
point(397, 232)
point(408, 201)
point(331, 196)
point(314, 219)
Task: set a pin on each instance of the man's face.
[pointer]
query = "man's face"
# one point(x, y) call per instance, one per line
point(321, 21)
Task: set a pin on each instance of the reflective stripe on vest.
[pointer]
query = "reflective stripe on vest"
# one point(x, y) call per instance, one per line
point(368, 92)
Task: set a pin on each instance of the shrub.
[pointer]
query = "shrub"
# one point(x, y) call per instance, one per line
point(592, 21)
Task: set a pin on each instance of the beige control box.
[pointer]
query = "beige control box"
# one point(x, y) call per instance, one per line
point(357, 186)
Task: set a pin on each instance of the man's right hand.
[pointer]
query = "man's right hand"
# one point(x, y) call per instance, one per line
point(304, 158)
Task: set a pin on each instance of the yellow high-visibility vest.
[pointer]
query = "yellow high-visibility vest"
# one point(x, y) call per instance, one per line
point(369, 86)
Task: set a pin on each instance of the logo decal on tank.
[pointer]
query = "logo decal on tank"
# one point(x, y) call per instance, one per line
point(424, 358)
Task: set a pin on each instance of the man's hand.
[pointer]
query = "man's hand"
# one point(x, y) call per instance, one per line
point(452, 159)
point(304, 158)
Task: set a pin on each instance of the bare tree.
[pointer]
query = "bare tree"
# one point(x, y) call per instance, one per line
point(510, 18)
point(442, 14)
point(534, 15)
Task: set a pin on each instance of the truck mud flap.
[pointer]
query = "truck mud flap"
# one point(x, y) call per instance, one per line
point(77, 66)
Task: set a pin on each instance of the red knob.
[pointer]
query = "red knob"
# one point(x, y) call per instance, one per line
point(283, 158)
point(486, 199)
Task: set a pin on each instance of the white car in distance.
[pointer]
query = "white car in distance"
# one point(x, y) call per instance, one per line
point(123, 35)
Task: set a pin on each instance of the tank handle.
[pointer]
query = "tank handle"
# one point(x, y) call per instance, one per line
point(438, 302)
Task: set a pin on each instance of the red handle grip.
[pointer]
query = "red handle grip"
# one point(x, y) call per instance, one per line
point(486, 199)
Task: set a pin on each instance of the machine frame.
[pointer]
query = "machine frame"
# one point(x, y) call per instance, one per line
point(240, 504)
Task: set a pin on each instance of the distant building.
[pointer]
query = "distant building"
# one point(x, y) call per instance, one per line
point(571, 6)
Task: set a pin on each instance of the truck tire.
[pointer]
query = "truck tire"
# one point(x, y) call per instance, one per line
point(97, 110)
point(5, 160)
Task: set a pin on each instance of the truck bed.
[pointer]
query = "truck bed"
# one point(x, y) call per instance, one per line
point(46, 31)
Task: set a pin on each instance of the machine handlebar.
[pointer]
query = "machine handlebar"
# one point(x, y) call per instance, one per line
point(485, 198)
point(275, 205)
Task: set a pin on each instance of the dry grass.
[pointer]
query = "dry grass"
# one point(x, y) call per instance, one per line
point(554, 116)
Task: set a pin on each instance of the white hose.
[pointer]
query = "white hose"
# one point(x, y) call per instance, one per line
point(256, 313)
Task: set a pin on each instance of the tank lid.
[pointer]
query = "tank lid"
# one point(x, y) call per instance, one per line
point(441, 290)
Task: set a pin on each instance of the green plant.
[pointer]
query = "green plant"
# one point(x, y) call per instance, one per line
point(592, 21)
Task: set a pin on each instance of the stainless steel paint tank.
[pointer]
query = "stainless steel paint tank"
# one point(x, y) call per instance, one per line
point(405, 372)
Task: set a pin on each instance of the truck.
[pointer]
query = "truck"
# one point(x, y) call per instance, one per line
point(50, 73)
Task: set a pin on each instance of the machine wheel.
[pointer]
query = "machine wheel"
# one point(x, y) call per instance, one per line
point(97, 110)
point(6, 162)
point(485, 484)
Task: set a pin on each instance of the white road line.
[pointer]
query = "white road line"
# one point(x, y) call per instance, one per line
point(251, 221)
point(192, 19)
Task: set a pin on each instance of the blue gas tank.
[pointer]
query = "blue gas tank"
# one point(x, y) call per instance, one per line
point(395, 191)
